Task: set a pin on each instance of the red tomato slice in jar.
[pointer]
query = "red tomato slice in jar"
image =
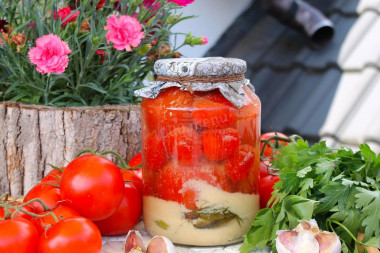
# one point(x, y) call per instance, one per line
point(213, 110)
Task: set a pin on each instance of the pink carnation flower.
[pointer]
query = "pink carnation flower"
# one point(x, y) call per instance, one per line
point(50, 54)
point(204, 40)
point(149, 3)
point(63, 13)
point(123, 32)
point(181, 2)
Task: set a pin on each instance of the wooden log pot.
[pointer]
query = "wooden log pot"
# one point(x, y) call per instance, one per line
point(34, 136)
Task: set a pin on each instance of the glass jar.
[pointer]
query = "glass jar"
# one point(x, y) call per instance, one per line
point(200, 152)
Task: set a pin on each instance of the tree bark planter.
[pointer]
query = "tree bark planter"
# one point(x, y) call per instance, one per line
point(33, 136)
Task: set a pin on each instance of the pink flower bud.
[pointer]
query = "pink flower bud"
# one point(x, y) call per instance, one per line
point(204, 39)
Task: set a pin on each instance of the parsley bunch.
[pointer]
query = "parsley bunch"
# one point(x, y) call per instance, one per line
point(337, 187)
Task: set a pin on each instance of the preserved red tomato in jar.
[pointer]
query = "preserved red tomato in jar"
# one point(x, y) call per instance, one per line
point(200, 149)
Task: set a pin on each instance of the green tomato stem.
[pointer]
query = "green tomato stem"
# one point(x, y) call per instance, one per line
point(91, 151)
point(56, 168)
point(46, 208)
point(124, 165)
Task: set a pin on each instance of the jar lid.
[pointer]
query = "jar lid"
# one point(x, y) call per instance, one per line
point(200, 67)
point(200, 74)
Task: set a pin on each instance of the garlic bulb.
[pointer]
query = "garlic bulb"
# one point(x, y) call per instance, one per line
point(307, 237)
point(160, 244)
point(134, 243)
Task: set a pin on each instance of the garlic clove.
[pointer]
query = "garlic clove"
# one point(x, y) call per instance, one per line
point(328, 242)
point(134, 243)
point(291, 241)
point(311, 226)
point(160, 244)
point(286, 241)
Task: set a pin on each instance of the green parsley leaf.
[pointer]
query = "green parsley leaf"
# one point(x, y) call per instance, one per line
point(337, 187)
point(369, 202)
point(334, 193)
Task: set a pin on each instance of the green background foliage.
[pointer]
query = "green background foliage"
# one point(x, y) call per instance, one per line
point(86, 81)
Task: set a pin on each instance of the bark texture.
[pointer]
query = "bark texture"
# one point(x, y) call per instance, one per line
point(32, 137)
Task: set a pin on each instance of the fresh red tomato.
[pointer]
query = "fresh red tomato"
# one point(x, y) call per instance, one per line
point(126, 216)
point(18, 235)
point(48, 194)
point(61, 212)
point(54, 176)
point(15, 213)
point(266, 189)
point(75, 235)
point(264, 167)
point(130, 176)
point(93, 185)
point(277, 143)
point(135, 161)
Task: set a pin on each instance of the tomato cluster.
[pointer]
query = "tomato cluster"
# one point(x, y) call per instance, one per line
point(199, 136)
point(72, 207)
point(270, 142)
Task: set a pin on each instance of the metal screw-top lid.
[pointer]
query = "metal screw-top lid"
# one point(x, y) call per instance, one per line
point(200, 74)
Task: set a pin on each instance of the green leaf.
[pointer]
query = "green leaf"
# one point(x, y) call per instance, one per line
point(302, 173)
point(260, 232)
point(373, 242)
point(325, 167)
point(369, 202)
point(306, 185)
point(335, 193)
point(349, 218)
point(297, 209)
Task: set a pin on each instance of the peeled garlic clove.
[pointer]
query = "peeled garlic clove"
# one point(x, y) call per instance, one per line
point(328, 242)
point(311, 226)
point(160, 244)
point(134, 242)
point(291, 241)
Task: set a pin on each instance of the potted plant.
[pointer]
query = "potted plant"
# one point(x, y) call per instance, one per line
point(68, 70)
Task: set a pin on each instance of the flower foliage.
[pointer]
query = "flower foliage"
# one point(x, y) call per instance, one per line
point(84, 52)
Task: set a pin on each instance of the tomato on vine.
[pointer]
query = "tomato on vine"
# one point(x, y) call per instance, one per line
point(45, 222)
point(270, 141)
point(18, 235)
point(75, 235)
point(47, 193)
point(93, 185)
point(127, 214)
point(266, 188)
